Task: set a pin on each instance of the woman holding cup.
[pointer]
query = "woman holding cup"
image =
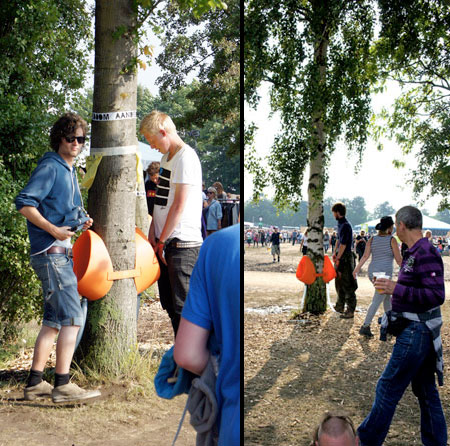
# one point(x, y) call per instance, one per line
point(384, 249)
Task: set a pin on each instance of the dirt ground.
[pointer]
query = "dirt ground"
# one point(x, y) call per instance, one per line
point(295, 370)
point(124, 415)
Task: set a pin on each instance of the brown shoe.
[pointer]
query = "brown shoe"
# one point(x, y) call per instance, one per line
point(338, 309)
point(347, 315)
point(41, 390)
point(71, 392)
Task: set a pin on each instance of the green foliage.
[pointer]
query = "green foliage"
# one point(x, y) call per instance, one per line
point(209, 49)
point(44, 46)
point(382, 210)
point(414, 49)
point(20, 299)
point(317, 58)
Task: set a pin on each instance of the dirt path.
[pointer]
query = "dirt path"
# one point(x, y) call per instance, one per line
point(295, 370)
point(123, 416)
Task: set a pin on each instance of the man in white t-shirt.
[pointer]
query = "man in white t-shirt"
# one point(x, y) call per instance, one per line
point(175, 231)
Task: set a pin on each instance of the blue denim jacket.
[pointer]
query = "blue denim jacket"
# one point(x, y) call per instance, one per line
point(52, 189)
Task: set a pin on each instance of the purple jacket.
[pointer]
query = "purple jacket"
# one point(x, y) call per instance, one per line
point(420, 284)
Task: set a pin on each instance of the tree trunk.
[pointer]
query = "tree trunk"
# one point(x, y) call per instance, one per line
point(316, 300)
point(110, 332)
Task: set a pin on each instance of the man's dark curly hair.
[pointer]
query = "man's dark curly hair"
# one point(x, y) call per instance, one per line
point(66, 126)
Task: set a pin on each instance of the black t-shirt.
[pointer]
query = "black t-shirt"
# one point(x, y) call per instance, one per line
point(345, 234)
point(361, 246)
point(275, 239)
point(150, 193)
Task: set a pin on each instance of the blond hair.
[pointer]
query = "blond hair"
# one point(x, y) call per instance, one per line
point(155, 121)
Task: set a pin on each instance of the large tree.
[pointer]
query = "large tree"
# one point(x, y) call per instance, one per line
point(414, 51)
point(110, 334)
point(316, 56)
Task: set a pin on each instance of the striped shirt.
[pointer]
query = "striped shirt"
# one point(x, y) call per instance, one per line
point(382, 255)
point(420, 284)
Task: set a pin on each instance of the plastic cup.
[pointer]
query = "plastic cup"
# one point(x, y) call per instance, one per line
point(380, 275)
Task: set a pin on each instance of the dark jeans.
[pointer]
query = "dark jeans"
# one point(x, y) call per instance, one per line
point(345, 283)
point(413, 361)
point(173, 283)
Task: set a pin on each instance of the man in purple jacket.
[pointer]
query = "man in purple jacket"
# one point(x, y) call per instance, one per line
point(417, 354)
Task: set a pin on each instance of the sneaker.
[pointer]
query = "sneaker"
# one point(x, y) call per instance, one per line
point(41, 390)
point(347, 315)
point(71, 392)
point(365, 331)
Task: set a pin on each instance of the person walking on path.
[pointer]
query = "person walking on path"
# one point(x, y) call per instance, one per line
point(417, 354)
point(384, 249)
point(344, 262)
point(333, 242)
point(175, 231)
point(326, 241)
point(275, 240)
point(360, 244)
point(51, 202)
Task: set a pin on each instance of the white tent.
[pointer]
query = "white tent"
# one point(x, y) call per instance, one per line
point(436, 226)
point(148, 154)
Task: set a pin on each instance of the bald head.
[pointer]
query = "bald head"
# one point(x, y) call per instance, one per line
point(336, 431)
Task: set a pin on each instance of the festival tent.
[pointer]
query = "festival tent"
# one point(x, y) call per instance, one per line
point(437, 227)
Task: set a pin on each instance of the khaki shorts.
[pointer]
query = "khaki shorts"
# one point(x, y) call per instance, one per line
point(275, 250)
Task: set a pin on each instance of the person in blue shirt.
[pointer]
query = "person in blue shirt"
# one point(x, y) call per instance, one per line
point(214, 212)
point(51, 202)
point(213, 307)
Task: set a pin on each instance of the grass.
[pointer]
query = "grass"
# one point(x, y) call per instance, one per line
point(25, 340)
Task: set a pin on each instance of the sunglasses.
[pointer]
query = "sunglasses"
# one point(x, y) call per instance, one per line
point(80, 139)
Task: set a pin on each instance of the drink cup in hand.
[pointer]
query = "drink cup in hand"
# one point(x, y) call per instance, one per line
point(380, 275)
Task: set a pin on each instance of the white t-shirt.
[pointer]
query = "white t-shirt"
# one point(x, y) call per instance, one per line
point(183, 168)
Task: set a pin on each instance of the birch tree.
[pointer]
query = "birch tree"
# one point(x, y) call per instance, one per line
point(316, 57)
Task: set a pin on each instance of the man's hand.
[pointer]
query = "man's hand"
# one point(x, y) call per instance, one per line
point(385, 286)
point(88, 224)
point(160, 252)
point(62, 233)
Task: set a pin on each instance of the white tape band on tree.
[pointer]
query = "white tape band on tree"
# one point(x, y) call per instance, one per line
point(114, 116)
point(112, 151)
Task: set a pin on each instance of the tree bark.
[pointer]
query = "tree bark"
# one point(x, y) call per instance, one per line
point(110, 332)
point(316, 300)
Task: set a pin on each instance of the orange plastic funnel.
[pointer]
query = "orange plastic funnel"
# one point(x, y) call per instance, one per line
point(329, 273)
point(306, 272)
point(91, 264)
point(146, 261)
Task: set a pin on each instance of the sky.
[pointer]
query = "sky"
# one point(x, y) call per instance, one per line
point(377, 180)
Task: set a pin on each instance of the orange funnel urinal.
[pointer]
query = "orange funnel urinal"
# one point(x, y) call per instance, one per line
point(91, 264)
point(146, 261)
point(329, 273)
point(306, 272)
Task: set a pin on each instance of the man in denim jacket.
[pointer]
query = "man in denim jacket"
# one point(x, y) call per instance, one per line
point(52, 205)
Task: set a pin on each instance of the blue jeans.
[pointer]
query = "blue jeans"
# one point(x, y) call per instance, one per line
point(62, 305)
point(412, 361)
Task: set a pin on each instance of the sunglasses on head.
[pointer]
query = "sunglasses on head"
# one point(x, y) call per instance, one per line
point(80, 139)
